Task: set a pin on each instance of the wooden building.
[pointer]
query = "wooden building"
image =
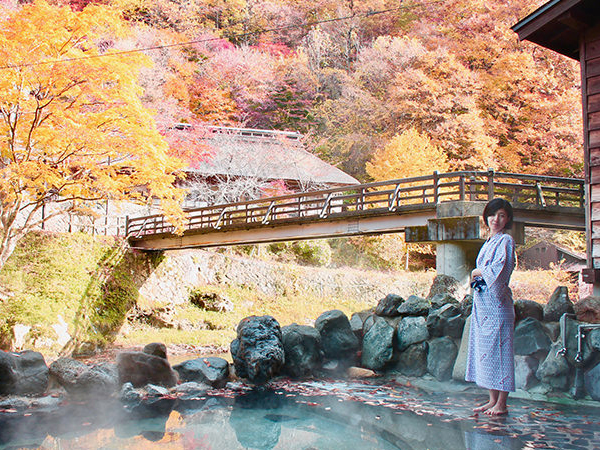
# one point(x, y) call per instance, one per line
point(572, 28)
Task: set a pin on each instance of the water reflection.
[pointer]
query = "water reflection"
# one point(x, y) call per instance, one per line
point(253, 428)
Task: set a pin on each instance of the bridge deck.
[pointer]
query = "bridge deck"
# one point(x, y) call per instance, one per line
point(372, 208)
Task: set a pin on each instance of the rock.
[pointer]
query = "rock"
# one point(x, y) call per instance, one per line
point(191, 388)
point(441, 299)
point(531, 338)
point(412, 362)
point(303, 352)
point(356, 324)
point(128, 395)
point(446, 321)
point(525, 368)
point(571, 327)
point(211, 370)
point(558, 304)
point(414, 306)
point(411, 330)
point(211, 301)
point(460, 365)
point(101, 380)
point(337, 339)
point(368, 323)
point(378, 346)
point(528, 308)
point(588, 309)
point(441, 357)
point(360, 372)
point(66, 371)
point(554, 370)
point(388, 306)
point(257, 352)
point(594, 339)
point(466, 305)
point(156, 349)
point(447, 285)
point(552, 329)
point(23, 373)
point(592, 382)
point(140, 368)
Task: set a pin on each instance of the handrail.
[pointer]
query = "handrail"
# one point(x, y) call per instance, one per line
point(381, 197)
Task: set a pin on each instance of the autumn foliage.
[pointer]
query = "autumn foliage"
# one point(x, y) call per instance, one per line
point(73, 125)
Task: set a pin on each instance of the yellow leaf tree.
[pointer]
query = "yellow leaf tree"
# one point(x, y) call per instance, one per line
point(408, 154)
point(72, 127)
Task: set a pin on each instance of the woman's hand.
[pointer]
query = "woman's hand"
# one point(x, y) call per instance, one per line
point(476, 273)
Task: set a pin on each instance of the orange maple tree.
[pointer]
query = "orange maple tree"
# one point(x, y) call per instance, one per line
point(73, 126)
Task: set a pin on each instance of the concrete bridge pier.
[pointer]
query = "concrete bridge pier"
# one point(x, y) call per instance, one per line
point(458, 231)
point(456, 259)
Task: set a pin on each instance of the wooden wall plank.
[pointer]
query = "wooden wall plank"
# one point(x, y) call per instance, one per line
point(593, 85)
point(592, 49)
point(593, 67)
point(595, 156)
point(594, 138)
point(594, 120)
point(593, 103)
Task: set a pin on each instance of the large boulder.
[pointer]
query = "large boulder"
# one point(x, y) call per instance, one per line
point(441, 357)
point(571, 329)
point(337, 338)
point(525, 368)
point(460, 365)
point(446, 321)
point(378, 346)
point(211, 370)
point(23, 373)
point(588, 309)
point(139, 369)
point(594, 339)
point(412, 362)
point(414, 306)
point(157, 349)
point(82, 380)
point(558, 304)
point(388, 306)
point(554, 370)
point(303, 352)
point(441, 299)
point(531, 338)
point(528, 308)
point(411, 330)
point(592, 382)
point(466, 305)
point(445, 284)
point(257, 352)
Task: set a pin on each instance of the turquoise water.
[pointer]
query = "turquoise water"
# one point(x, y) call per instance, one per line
point(324, 415)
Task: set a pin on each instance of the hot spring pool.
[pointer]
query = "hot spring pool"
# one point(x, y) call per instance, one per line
point(324, 415)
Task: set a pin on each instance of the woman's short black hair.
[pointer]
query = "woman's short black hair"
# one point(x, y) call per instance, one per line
point(496, 205)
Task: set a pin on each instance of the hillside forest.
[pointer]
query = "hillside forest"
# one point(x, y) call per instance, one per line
point(363, 80)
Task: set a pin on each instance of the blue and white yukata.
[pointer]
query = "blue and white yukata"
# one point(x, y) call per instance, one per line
point(490, 360)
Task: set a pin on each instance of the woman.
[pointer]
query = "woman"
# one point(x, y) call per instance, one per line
point(490, 361)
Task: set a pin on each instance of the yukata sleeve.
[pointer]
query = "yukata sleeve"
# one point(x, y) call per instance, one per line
point(501, 265)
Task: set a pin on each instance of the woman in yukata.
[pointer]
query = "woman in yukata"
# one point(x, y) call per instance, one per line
point(490, 360)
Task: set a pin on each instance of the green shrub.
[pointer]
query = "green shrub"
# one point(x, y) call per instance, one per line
point(314, 252)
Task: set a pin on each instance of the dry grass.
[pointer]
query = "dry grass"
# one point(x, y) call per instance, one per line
point(538, 285)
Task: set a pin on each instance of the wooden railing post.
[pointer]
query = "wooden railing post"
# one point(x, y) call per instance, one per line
point(461, 187)
point(126, 226)
point(472, 193)
point(435, 187)
point(490, 177)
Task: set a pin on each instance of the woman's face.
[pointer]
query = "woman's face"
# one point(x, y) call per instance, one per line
point(497, 221)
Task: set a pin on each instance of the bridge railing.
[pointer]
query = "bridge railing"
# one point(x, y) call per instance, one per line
point(385, 197)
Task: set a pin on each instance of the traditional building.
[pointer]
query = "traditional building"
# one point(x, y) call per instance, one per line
point(572, 28)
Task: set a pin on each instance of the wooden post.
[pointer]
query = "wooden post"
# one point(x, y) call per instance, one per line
point(435, 187)
point(490, 184)
point(126, 226)
point(472, 193)
point(461, 187)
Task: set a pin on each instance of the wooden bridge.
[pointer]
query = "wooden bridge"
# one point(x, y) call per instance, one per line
point(373, 208)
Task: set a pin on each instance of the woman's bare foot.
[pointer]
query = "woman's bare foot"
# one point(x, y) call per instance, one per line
point(484, 407)
point(496, 410)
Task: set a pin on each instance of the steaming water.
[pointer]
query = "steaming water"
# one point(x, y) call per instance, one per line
point(303, 416)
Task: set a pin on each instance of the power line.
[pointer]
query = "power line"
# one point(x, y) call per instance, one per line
point(237, 35)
